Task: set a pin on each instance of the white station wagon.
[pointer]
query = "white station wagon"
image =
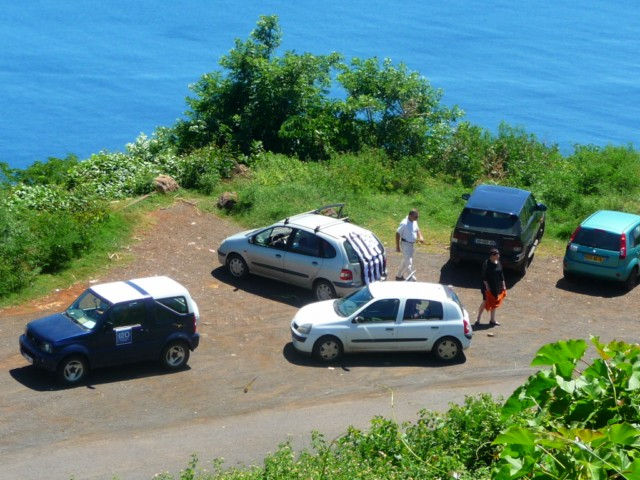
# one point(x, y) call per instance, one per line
point(385, 316)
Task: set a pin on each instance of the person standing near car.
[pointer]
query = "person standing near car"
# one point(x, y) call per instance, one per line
point(407, 235)
point(493, 287)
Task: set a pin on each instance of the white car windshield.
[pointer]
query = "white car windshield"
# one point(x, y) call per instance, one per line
point(87, 309)
point(351, 303)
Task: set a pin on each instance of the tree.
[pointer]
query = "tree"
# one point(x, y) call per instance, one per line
point(394, 108)
point(257, 96)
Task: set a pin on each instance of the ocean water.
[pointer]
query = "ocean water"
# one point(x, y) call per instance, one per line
point(82, 76)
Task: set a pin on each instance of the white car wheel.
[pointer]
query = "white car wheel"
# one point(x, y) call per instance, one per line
point(447, 349)
point(328, 349)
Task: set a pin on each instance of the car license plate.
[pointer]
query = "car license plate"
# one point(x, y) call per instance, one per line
point(484, 241)
point(594, 258)
point(28, 357)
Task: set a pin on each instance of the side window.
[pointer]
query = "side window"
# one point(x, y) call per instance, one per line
point(305, 243)
point(527, 211)
point(327, 250)
point(275, 237)
point(169, 309)
point(380, 311)
point(177, 304)
point(423, 310)
point(636, 236)
point(129, 313)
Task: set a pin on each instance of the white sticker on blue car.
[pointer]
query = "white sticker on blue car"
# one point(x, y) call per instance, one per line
point(124, 336)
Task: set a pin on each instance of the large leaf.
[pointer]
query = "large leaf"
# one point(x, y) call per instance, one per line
point(534, 392)
point(517, 436)
point(633, 471)
point(562, 355)
point(623, 434)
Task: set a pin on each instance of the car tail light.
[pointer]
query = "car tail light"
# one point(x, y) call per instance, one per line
point(459, 237)
point(512, 245)
point(346, 274)
point(623, 246)
point(467, 326)
point(195, 324)
point(574, 234)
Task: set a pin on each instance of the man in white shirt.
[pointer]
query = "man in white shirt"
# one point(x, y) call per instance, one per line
point(407, 234)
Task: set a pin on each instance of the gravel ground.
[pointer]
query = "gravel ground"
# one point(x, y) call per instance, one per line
point(246, 364)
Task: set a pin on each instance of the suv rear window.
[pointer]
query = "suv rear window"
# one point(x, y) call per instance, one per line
point(473, 217)
point(598, 239)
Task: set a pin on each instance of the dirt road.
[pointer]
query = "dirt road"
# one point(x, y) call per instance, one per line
point(246, 373)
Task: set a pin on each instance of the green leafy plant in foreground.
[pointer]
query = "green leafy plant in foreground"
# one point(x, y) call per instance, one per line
point(585, 424)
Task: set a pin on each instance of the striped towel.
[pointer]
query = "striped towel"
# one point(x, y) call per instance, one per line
point(370, 253)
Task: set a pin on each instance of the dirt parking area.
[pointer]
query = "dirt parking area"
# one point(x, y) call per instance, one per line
point(245, 362)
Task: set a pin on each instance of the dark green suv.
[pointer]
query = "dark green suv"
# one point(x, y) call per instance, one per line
point(505, 218)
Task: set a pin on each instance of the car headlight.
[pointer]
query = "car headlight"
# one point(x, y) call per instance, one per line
point(46, 347)
point(306, 328)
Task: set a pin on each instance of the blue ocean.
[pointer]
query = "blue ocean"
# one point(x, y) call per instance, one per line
point(82, 76)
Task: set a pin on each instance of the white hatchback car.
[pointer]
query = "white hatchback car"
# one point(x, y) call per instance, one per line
point(385, 316)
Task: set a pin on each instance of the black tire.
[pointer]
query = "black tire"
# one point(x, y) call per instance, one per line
point(632, 280)
point(73, 370)
point(328, 349)
point(447, 349)
point(175, 355)
point(323, 290)
point(237, 267)
point(522, 268)
point(569, 276)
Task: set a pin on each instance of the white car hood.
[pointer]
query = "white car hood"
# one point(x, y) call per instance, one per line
point(318, 313)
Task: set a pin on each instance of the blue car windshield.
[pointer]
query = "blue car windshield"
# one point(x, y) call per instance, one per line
point(88, 309)
point(351, 303)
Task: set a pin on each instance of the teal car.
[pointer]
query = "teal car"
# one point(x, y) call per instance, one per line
point(607, 246)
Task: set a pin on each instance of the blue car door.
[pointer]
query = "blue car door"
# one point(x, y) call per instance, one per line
point(124, 336)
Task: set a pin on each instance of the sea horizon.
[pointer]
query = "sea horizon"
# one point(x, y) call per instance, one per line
point(79, 78)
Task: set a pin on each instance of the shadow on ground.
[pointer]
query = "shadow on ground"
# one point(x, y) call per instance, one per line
point(266, 288)
point(373, 359)
point(44, 381)
point(592, 287)
point(468, 275)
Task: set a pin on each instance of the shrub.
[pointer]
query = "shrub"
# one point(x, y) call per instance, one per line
point(585, 422)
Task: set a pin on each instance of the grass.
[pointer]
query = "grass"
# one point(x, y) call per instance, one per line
point(111, 238)
point(279, 189)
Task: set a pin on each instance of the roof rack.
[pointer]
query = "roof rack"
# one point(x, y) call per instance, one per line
point(338, 220)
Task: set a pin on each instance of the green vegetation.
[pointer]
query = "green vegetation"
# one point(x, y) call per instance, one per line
point(384, 146)
point(562, 424)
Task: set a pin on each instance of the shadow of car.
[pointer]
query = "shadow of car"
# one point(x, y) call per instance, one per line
point(40, 380)
point(370, 359)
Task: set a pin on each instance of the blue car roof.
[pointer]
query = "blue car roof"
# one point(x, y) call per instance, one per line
point(611, 221)
point(497, 198)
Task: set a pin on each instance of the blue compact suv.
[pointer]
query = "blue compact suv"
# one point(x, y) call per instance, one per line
point(509, 219)
point(115, 323)
point(606, 245)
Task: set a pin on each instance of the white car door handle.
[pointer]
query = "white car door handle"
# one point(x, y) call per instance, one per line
point(389, 329)
point(435, 328)
point(278, 255)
